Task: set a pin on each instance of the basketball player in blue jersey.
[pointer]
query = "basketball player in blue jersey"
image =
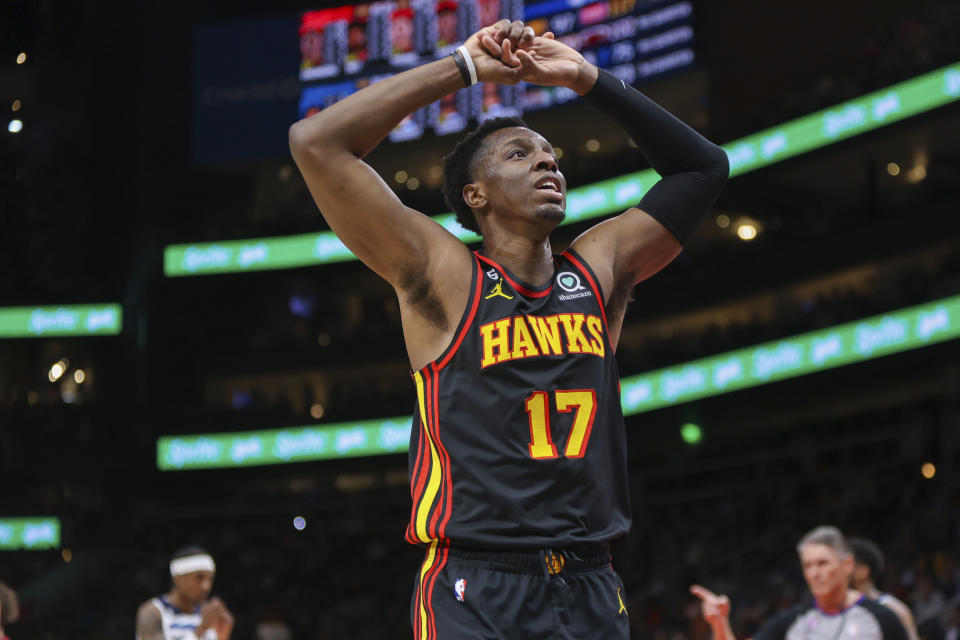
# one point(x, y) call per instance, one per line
point(517, 453)
point(186, 612)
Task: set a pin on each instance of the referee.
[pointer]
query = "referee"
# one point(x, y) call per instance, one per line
point(835, 612)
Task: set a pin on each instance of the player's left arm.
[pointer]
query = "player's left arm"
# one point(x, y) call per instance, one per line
point(640, 242)
point(633, 246)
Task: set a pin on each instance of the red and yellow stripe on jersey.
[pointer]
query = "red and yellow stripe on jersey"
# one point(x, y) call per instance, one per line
point(432, 490)
point(430, 483)
point(424, 619)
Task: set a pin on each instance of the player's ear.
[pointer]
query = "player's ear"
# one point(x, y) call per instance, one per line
point(474, 196)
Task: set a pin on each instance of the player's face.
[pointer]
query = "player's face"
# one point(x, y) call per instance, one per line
point(825, 571)
point(860, 575)
point(521, 175)
point(195, 586)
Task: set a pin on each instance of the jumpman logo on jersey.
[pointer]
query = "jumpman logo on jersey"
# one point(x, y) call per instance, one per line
point(498, 291)
point(623, 607)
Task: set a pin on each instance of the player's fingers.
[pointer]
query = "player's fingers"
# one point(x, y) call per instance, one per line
point(491, 46)
point(528, 63)
point(515, 31)
point(498, 30)
point(507, 56)
point(549, 35)
point(526, 36)
point(504, 30)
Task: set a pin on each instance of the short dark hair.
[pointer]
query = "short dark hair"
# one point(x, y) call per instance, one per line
point(867, 553)
point(458, 167)
point(193, 550)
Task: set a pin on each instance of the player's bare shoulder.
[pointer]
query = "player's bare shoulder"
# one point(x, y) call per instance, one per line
point(149, 622)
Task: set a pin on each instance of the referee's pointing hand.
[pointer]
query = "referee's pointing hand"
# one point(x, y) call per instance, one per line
point(715, 608)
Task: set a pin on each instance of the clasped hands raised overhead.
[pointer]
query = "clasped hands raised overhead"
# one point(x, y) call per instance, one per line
point(509, 52)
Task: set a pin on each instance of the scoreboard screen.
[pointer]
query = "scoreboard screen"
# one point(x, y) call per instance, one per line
point(344, 49)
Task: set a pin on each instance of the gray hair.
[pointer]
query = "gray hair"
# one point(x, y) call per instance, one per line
point(829, 537)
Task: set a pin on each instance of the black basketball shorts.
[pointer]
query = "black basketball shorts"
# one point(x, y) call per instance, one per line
point(473, 594)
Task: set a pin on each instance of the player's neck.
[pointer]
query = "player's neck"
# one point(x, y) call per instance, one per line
point(531, 260)
point(176, 599)
point(838, 601)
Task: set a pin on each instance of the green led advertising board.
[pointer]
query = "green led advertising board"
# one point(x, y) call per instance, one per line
point(820, 129)
point(792, 357)
point(63, 320)
point(750, 367)
point(277, 446)
point(29, 533)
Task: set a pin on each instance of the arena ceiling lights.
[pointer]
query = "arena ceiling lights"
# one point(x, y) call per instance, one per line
point(820, 129)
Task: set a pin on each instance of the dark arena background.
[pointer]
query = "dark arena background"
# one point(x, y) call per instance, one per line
point(187, 356)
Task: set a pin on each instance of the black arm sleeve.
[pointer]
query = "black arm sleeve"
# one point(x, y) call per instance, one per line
point(890, 624)
point(776, 628)
point(694, 169)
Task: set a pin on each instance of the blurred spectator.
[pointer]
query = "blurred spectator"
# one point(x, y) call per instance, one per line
point(9, 609)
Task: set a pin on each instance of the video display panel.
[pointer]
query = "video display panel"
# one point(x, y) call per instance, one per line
point(344, 49)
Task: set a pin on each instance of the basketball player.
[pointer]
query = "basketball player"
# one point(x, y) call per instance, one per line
point(518, 452)
point(868, 564)
point(187, 612)
point(836, 612)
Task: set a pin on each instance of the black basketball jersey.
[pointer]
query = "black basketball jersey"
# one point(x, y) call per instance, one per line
point(518, 437)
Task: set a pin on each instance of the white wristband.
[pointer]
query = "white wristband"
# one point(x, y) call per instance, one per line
point(470, 66)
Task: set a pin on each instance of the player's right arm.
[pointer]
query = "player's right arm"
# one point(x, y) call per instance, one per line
point(149, 623)
point(428, 266)
point(357, 204)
